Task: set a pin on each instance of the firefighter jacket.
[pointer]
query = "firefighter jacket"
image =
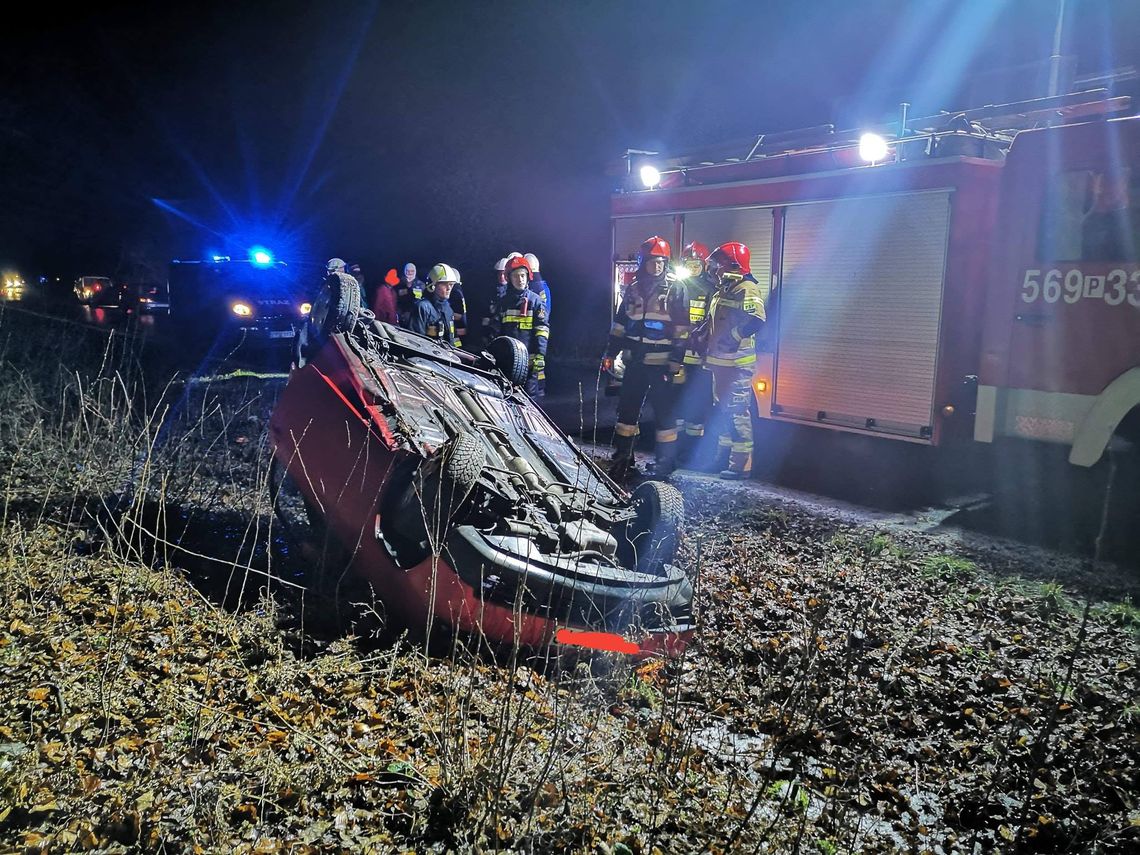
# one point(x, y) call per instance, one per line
point(520, 315)
point(735, 315)
point(434, 318)
point(652, 320)
point(540, 287)
point(459, 309)
point(700, 290)
point(408, 294)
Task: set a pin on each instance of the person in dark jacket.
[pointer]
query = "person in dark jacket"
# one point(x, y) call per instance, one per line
point(432, 315)
point(409, 292)
point(521, 314)
point(459, 309)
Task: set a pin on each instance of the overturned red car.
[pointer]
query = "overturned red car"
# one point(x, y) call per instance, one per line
point(461, 503)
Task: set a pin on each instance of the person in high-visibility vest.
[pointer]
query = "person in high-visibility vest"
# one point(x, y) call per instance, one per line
point(432, 316)
point(735, 315)
point(695, 397)
point(521, 314)
point(649, 323)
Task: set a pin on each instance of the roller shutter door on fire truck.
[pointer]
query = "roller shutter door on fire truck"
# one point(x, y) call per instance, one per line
point(861, 298)
point(750, 226)
point(630, 232)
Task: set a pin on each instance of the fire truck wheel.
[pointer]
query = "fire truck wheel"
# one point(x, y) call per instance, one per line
point(651, 538)
point(511, 358)
point(338, 305)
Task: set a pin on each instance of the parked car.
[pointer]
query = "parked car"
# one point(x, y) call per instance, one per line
point(148, 298)
point(97, 291)
point(461, 502)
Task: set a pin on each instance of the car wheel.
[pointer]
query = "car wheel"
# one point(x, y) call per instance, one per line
point(338, 305)
point(651, 538)
point(511, 358)
point(435, 492)
point(443, 490)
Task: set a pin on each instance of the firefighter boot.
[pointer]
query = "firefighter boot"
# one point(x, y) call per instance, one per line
point(621, 463)
point(718, 461)
point(666, 461)
point(739, 466)
point(688, 445)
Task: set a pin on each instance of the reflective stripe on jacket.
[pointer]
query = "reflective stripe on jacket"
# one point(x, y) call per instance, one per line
point(522, 316)
point(651, 321)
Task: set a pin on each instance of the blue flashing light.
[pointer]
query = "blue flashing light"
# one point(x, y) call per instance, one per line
point(260, 256)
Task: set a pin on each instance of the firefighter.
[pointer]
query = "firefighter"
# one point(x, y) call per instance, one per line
point(409, 292)
point(650, 323)
point(459, 309)
point(539, 285)
point(735, 315)
point(432, 316)
point(520, 314)
point(500, 291)
point(695, 395)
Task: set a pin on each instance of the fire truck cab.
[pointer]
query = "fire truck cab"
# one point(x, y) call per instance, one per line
point(972, 283)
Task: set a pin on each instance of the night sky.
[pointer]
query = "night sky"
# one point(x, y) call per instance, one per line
point(445, 131)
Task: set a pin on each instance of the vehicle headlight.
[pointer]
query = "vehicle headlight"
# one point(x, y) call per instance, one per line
point(306, 308)
point(242, 310)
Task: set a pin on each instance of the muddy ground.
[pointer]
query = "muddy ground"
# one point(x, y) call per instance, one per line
point(859, 681)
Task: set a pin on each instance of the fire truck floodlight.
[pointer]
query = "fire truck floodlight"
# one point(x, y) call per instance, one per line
point(872, 148)
point(650, 176)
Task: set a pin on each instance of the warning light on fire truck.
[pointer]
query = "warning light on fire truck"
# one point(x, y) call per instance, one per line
point(650, 176)
point(761, 386)
point(872, 148)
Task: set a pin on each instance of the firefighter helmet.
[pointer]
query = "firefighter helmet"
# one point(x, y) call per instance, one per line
point(517, 261)
point(654, 246)
point(697, 250)
point(532, 260)
point(442, 273)
point(729, 255)
point(392, 278)
point(501, 264)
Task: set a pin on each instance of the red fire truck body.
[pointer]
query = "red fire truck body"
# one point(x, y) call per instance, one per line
point(970, 287)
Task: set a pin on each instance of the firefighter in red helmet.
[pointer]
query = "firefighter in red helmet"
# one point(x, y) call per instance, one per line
point(520, 313)
point(735, 315)
point(694, 397)
point(650, 323)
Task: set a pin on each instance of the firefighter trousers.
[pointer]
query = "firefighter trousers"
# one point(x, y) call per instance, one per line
point(643, 382)
point(732, 392)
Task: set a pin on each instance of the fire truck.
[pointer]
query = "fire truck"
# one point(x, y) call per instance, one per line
point(972, 275)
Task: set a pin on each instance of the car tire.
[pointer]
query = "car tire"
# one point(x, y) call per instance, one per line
point(435, 492)
point(511, 358)
point(651, 538)
point(444, 490)
point(338, 305)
